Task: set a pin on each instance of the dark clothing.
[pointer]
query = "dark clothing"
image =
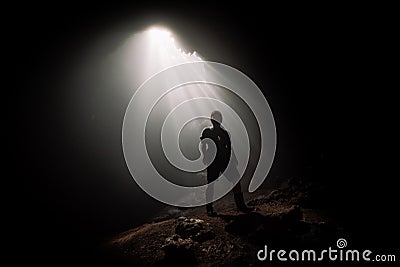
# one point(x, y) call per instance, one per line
point(223, 154)
point(219, 165)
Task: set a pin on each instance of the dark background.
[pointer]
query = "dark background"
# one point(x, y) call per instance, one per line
point(326, 71)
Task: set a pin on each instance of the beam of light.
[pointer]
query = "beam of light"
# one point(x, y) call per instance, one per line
point(153, 52)
point(158, 110)
point(164, 51)
point(112, 73)
point(146, 53)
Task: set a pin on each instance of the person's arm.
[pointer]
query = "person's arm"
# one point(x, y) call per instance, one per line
point(203, 146)
point(203, 143)
point(207, 147)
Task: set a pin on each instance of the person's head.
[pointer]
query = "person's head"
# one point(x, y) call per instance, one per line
point(216, 118)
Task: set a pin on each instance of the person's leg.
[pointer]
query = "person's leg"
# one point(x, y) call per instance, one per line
point(209, 194)
point(212, 175)
point(239, 199)
point(237, 189)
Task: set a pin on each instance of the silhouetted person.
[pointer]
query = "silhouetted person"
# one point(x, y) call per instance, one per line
point(221, 161)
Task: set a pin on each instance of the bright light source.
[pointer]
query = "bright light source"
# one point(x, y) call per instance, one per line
point(147, 52)
point(163, 44)
point(159, 33)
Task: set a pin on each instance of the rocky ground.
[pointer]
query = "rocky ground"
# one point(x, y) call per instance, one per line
point(283, 218)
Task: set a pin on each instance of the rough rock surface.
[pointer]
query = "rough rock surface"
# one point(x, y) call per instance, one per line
point(232, 238)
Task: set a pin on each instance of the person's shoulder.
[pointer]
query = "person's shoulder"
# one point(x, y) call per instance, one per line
point(206, 133)
point(224, 131)
point(207, 130)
